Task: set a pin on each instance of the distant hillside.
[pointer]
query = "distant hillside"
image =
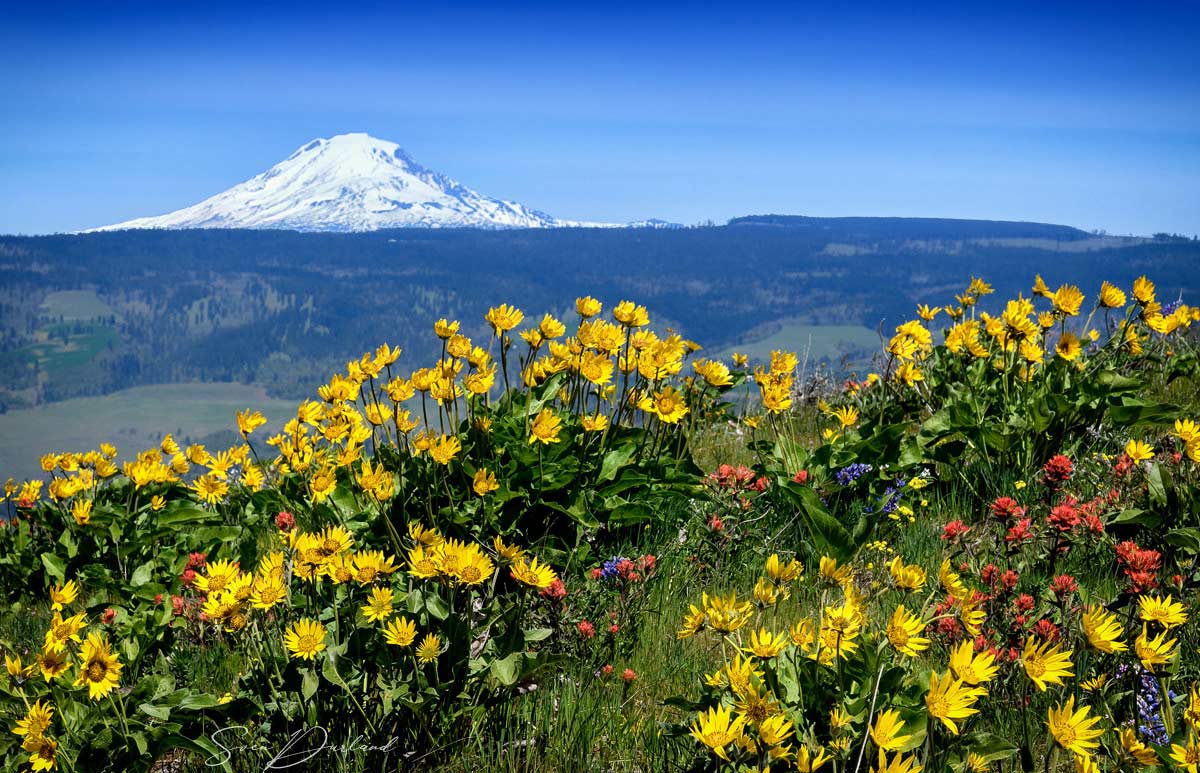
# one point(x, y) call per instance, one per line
point(916, 227)
point(89, 314)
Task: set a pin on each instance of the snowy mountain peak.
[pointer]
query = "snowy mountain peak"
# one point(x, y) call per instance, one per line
point(351, 182)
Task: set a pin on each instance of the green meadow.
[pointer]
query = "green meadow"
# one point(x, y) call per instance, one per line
point(132, 419)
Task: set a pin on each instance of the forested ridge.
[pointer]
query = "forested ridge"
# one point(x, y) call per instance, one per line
point(282, 308)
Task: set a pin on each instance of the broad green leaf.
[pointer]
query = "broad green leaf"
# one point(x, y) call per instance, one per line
point(55, 567)
point(158, 712)
point(508, 669)
point(615, 459)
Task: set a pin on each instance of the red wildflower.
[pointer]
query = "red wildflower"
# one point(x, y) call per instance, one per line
point(555, 591)
point(1063, 584)
point(1140, 566)
point(597, 573)
point(108, 616)
point(188, 577)
point(628, 675)
point(196, 559)
point(1024, 602)
point(953, 530)
point(1126, 550)
point(285, 520)
point(586, 629)
point(1009, 579)
point(1046, 629)
point(715, 523)
point(607, 670)
point(1019, 533)
point(800, 477)
point(1057, 471)
point(1007, 507)
point(614, 628)
point(1064, 517)
point(177, 605)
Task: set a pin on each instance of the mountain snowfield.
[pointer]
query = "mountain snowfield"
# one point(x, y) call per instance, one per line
point(355, 182)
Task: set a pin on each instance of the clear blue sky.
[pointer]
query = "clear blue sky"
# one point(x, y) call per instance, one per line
point(1084, 114)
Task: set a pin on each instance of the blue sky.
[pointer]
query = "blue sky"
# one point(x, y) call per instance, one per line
point(1085, 114)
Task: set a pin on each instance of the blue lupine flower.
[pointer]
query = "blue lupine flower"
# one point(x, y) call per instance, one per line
point(851, 473)
point(609, 569)
point(1149, 701)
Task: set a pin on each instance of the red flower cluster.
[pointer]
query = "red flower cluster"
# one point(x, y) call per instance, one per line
point(586, 629)
point(1046, 630)
point(555, 591)
point(285, 521)
point(954, 530)
point(993, 577)
point(800, 477)
point(1007, 507)
point(1140, 566)
point(1062, 585)
point(737, 478)
point(1057, 471)
point(1019, 533)
point(1064, 517)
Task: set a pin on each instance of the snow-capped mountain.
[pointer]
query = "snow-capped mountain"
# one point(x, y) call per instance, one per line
point(353, 182)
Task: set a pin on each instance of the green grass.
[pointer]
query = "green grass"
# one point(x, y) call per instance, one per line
point(75, 304)
point(132, 419)
point(821, 342)
point(56, 357)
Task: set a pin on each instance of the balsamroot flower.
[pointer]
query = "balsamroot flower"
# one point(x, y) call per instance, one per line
point(1073, 730)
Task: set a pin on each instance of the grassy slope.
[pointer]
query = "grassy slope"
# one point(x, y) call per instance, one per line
point(821, 342)
point(132, 419)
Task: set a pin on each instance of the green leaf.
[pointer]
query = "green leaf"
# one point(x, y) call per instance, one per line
point(1188, 539)
point(826, 534)
point(186, 515)
point(142, 574)
point(204, 747)
point(1136, 516)
point(55, 567)
point(1157, 483)
point(158, 712)
point(309, 683)
point(990, 746)
point(629, 514)
point(436, 607)
point(67, 540)
point(537, 634)
point(507, 669)
point(198, 701)
point(615, 459)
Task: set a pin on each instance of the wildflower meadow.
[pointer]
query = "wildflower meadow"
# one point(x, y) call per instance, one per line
point(584, 544)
